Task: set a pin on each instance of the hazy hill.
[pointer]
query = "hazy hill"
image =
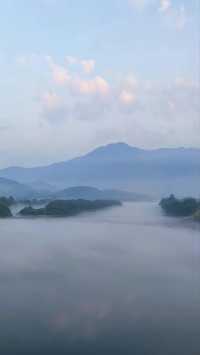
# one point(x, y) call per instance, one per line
point(63, 208)
point(17, 190)
point(120, 166)
point(92, 193)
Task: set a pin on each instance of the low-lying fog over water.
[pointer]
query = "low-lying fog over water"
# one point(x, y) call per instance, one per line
point(120, 281)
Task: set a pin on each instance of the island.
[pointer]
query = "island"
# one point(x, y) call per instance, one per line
point(66, 208)
point(186, 207)
point(196, 216)
point(4, 211)
point(7, 201)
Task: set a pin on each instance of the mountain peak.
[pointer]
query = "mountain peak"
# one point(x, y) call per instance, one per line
point(113, 149)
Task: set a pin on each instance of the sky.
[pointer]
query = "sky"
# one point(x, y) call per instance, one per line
point(79, 74)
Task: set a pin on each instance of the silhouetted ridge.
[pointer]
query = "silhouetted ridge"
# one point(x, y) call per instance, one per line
point(120, 166)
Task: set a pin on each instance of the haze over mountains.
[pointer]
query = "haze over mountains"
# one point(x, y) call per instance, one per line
point(92, 193)
point(12, 188)
point(119, 166)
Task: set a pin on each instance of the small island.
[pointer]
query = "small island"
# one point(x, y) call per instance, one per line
point(186, 207)
point(5, 204)
point(7, 201)
point(66, 208)
point(196, 216)
point(4, 211)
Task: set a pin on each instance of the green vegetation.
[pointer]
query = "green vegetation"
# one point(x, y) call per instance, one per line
point(4, 211)
point(34, 201)
point(7, 201)
point(181, 207)
point(30, 211)
point(197, 215)
point(64, 208)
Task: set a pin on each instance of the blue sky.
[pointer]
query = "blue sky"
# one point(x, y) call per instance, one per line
point(78, 74)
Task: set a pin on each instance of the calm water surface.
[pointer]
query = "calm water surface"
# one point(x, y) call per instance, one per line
point(121, 281)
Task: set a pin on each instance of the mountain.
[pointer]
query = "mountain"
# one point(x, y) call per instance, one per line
point(79, 192)
point(92, 193)
point(120, 166)
point(15, 189)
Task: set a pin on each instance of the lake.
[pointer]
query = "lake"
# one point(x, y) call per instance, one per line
point(124, 280)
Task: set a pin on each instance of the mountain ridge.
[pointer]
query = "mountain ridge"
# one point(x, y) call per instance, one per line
point(93, 193)
point(104, 147)
point(121, 166)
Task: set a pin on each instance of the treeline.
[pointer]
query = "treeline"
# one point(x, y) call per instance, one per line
point(5, 204)
point(185, 207)
point(57, 208)
point(7, 201)
point(65, 208)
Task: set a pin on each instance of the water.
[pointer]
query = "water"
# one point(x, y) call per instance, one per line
point(120, 281)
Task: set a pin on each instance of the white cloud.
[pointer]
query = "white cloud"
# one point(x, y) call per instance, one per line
point(97, 85)
point(88, 65)
point(71, 60)
point(130, 82)
point(175, 15)
point(160, 114)
point(163, 115)
point(185, 83)
point(53, 108)
point(165, 5)
point(59, 73)
point(127, 98)
point(92, 111)
point(51, 100)
point(75, 82)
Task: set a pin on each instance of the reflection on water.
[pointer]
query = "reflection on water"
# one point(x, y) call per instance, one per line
point(121, 281)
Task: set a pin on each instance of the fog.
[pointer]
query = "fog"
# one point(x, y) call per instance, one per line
point(120, 281)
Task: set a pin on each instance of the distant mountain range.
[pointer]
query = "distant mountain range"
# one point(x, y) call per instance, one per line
point(119, 166)
point(92, 193)
point(25, 192)
point(12, 188)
